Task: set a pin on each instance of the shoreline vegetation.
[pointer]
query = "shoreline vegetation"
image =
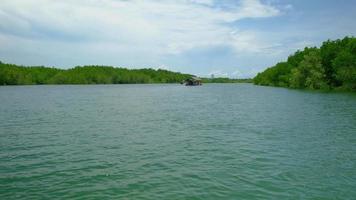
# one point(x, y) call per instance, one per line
point(226, 80)
point(330, 67)
point(11, 74)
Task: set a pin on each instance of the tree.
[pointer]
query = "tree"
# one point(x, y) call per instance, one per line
point(314, 73)
point(333, 65)
point(19, 75)
point(345, 67)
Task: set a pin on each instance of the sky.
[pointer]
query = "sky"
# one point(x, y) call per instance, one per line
point(227, 38)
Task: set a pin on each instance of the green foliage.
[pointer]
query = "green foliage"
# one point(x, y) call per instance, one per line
point(332, 66)
point(225, 80)
point(275, 76)
point(309, 73)
point(20, 75)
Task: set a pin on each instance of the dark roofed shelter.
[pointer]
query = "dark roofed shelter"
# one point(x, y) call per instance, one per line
point(193, 81)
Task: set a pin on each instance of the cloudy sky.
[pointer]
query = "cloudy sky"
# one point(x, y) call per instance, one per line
point(234, 38)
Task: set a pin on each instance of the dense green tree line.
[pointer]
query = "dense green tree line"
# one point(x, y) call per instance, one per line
point(19, 75)
point(225, 80)
point(332, 66)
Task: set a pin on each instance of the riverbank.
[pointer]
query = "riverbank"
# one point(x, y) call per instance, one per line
point(35, 75)
point(11, 74)
point(330, 67)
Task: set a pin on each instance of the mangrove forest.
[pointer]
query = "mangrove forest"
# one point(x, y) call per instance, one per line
point(11, 74)
point(332, 66)
point(19, 75)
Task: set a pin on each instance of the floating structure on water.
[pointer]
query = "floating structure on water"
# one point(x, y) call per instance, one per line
point(193, 81)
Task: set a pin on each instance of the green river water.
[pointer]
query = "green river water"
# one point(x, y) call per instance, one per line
point(216, 141)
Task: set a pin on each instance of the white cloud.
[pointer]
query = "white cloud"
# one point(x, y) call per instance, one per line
point(237, 73)
point(163, 66)
point(204, 2)
point(254, 8)
point(165, 27)
point(218, 74)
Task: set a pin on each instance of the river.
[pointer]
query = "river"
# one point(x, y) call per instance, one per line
point(216, 141)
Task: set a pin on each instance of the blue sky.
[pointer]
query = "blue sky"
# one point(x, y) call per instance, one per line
point(232, 38)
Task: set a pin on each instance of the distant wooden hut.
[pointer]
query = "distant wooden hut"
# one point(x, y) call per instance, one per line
point(193, 81)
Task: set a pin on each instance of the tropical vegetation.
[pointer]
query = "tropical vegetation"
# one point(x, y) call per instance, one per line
point(19, 75)
point(332, 66)
point(225, 80)
point(11, 74)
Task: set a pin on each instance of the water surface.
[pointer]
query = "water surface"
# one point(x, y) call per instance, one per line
point(216, 141)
